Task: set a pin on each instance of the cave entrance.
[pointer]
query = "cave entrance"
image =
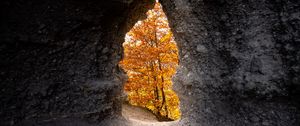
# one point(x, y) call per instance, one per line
point(150, 60)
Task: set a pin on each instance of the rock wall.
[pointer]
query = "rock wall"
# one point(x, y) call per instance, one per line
point(59, 59)
point(239, 61)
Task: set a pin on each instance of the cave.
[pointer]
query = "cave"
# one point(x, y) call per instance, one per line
point(239, 61)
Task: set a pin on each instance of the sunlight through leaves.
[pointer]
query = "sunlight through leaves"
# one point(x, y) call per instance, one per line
point(150, 60)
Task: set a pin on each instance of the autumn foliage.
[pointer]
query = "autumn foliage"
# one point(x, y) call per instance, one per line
point(150, 60)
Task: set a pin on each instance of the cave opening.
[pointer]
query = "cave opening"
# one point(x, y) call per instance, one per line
point(150, 60)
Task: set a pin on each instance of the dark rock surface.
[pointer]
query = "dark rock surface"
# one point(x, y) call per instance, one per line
point(59, 58)
point(239, 60)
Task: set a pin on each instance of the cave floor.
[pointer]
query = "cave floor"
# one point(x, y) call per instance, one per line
point(138, 116)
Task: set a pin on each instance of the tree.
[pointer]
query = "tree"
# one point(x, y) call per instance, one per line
point(150, 60)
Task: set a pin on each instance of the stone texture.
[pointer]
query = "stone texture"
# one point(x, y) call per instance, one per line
point(239, 61)
point(59, 59)
point(245, 76)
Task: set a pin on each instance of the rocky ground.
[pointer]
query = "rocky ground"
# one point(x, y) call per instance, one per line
point(137, 116)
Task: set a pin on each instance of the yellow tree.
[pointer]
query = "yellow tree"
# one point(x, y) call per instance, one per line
point(150, 60)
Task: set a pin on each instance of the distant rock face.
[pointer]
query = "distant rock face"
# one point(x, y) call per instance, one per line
point(239, 60)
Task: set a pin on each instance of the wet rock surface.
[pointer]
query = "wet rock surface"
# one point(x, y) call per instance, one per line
point(239, 61)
